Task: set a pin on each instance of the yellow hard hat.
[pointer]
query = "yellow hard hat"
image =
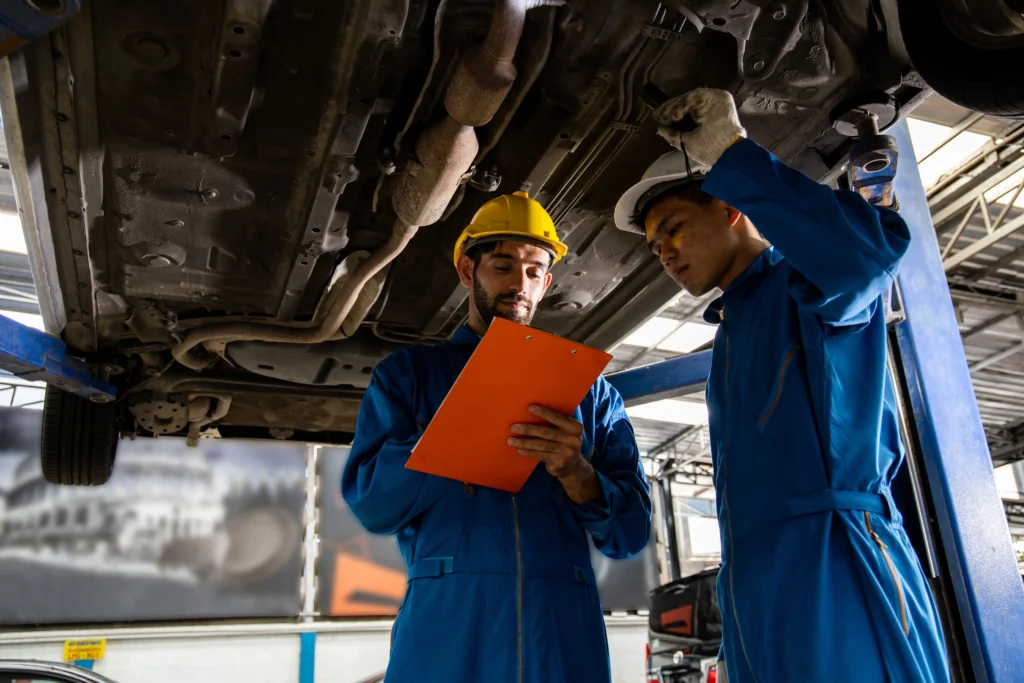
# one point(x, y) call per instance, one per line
point(514, 217)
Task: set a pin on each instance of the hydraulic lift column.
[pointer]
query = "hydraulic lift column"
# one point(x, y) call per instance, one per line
point(975, 537)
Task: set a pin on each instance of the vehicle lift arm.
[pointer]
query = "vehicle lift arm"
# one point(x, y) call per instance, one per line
point(24, 351)
point(37, 356)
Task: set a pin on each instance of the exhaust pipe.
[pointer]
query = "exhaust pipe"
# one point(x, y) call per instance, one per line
point(444, 154)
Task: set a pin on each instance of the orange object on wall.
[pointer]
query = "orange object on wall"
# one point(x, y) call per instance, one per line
point(363, 588)
point(513, 367)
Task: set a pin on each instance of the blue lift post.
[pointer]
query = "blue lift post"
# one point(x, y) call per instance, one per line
point(34, 355)
point(974, 532)
point(972, 522)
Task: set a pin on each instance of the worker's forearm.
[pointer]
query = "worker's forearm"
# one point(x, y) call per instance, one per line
point(834, 239)
point(582, 485)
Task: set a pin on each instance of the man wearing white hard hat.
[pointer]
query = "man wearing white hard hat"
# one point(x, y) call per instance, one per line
point(818, 581)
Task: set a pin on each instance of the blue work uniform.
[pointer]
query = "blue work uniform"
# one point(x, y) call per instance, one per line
point(819, 581)
point(501, 587)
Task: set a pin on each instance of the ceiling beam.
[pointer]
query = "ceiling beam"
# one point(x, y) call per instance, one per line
point(950, 204)
point(985, 242)
point(996, 358)
point(964, 124)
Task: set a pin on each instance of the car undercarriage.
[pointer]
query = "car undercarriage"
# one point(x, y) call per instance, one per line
point(235, 209)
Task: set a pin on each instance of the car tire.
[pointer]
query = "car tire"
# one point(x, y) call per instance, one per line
point(78, 441)
point(984, 80)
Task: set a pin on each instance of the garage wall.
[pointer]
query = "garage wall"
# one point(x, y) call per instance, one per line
point(346, 652)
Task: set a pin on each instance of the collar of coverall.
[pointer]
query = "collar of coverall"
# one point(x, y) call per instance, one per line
point(464, 335)
point(752, 275)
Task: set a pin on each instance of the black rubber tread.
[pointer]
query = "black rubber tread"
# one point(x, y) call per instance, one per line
point(78, 441)
point(988, 81)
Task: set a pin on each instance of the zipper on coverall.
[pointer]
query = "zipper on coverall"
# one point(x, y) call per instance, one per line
point(519, 589)
point(892, 570)
point(725, 497)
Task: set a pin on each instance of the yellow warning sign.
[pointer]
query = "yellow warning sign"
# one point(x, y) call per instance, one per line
point(76, 650)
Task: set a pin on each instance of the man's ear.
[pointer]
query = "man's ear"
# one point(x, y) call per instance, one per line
point(465, 269)
point(732, 215)
point(547, 281)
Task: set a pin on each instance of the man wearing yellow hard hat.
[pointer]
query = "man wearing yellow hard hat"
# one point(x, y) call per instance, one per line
point(501, 587)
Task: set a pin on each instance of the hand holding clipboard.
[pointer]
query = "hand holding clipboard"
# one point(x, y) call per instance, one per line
point(513, 368)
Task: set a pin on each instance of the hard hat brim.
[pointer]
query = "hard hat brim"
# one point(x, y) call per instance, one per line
point(626, 207)
point(556, 249)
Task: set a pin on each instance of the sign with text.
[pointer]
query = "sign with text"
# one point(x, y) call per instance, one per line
point(76, 650)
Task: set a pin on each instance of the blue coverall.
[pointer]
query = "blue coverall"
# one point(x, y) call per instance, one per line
point(501, 587)
point(819, 581)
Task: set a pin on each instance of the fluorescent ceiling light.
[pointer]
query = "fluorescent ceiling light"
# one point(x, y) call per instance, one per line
point(651, 332)
point(688, 337)
point(30, 319)
point(671, 410)
point(927, 136)
point(12, 238)
point(666, 334)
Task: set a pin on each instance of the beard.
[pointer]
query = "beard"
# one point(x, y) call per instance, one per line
point(488, 307)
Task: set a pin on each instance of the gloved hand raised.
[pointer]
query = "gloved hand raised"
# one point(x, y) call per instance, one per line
point(718, 124)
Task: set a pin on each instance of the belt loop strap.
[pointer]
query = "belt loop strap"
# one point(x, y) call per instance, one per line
point(894, 513)
point(431, 568)
point(585, 576)
point(837, 500)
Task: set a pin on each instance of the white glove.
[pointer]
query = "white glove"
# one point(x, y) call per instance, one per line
point(718, 123)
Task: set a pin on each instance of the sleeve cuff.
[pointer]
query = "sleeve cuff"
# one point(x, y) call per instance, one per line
point(733, 168)
point(595, 513)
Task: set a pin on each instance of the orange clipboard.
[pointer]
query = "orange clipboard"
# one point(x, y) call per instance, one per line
point(513, 368)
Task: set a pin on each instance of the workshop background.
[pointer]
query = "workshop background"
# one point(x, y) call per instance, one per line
point(217, 558)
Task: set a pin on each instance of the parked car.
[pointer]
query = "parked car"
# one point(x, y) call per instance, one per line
point(38, 671)
point(685, 630)
point(234, 210)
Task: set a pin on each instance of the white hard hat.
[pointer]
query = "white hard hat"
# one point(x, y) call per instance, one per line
point(670, 171)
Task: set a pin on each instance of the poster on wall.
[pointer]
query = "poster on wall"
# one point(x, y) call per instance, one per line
point(364, 575)
point(177, 533)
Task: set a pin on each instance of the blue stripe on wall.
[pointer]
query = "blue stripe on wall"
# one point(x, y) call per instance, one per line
point(307, 657)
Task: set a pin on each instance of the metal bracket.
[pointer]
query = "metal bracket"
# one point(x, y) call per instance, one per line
point(36, 356)
point(765, 30)
point(631, 128)
point(894, 312)
point(486, 180)
point(659, 33)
